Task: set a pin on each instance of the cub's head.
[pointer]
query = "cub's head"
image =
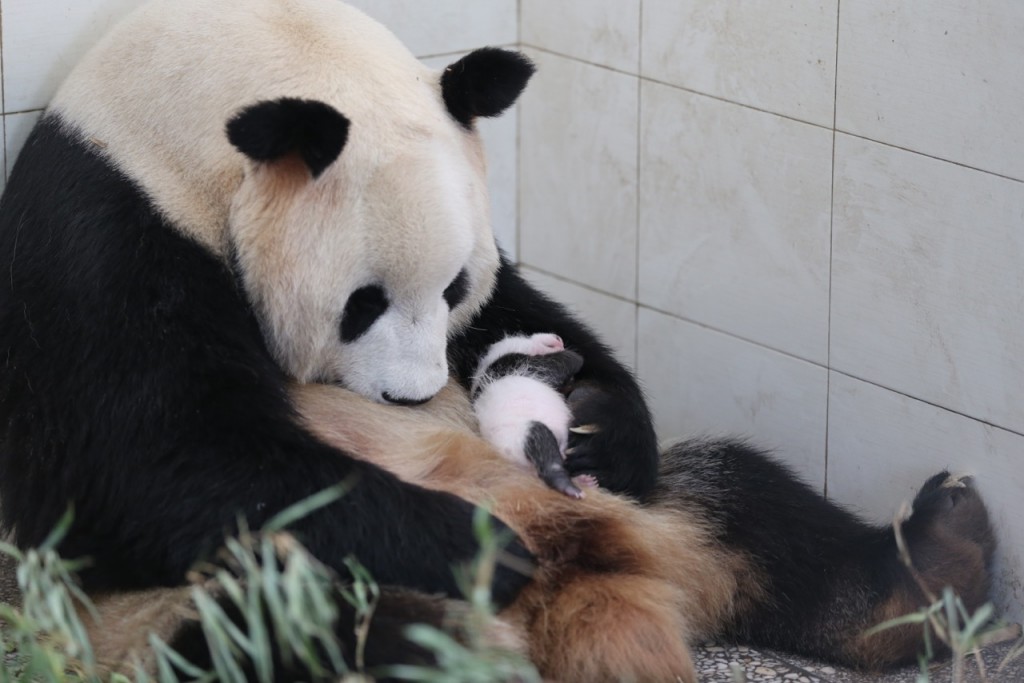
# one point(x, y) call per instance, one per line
point(362, 234)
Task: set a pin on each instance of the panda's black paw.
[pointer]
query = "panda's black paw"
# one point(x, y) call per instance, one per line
point(612, 439)
point(514, 564)
point(949, 507)
point(514, 567)
point(950, 538)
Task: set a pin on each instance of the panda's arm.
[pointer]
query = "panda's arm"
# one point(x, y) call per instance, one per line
point(136, 385)
point(622, 453)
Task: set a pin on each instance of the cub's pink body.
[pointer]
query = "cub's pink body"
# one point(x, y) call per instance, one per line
point(507, 405)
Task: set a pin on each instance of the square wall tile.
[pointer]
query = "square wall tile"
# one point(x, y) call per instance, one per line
point(928, 280)
point(445, 26)
point(939, 78)
point(501, 140)
point(605, 32)
point(16, 130)
point(578, 149)
point(42, 42)
point(775, 56)
point(882, 446)
point(734, 219)
point(613, 319)
point(701, 382)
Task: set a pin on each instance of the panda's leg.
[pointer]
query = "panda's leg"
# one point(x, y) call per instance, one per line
point(824, 575)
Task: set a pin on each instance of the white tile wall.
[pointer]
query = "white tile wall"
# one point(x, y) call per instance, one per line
point(604, 32)
point(942, 78)
point(928, 280)
point(705, 383)
point(445, 26)
point(16, 130)
point(869, 258)
point(775, 56)
point(734, 219)
point(578, 174)
point(42, 41)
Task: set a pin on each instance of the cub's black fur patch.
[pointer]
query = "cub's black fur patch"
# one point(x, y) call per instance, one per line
point(485, 82)
point(553, 369)
point(541, 448)
point(269, 130)
point(623, 453)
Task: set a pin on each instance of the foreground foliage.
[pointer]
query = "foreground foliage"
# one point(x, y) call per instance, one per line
point(287, 602)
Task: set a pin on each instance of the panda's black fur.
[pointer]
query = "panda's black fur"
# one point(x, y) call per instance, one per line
point(137, 388)
point(139, 384)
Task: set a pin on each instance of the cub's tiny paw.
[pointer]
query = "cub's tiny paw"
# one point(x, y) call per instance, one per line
point(542, 344)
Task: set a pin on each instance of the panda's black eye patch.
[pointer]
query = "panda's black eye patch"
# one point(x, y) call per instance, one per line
point(455, 293)
point(363, 308)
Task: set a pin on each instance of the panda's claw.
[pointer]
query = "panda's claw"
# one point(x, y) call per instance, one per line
point(585, 429)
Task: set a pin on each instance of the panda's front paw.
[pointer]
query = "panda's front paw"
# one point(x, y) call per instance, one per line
point(514, 563)
point(612, 439)
point(514, 567)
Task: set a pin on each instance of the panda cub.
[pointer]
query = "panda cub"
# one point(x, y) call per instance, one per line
point(521, 411)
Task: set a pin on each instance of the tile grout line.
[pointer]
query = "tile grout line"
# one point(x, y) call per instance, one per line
point(787, 117)
point(676, 86)
point(455, 53)
point(946, 409)
point(891, 145)
point(639, 126)
point(3, 101)
point(831, 253)
point(23, 111)
point(519, 146)
point(787, 354)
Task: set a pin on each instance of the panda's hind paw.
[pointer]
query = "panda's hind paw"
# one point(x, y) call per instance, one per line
point(950, 537)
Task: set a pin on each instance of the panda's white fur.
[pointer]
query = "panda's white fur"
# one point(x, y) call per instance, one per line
point(166, 132)
point(138, 386)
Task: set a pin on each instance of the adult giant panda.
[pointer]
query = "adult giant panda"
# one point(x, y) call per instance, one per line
point(243, 245)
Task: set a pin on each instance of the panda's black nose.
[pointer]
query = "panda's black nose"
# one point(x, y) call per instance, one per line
point(405, 401)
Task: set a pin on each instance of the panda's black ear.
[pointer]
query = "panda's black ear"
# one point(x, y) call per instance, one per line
point(485, 82)
point(270, 130)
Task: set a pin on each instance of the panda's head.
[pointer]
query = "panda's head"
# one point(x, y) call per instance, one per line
point(362, 257)
point(304, 145)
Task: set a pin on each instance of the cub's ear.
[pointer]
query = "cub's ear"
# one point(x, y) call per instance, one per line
point(270, 130)
point(485, 82)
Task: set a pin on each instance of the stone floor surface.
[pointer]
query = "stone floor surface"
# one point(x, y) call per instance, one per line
point(715, 664)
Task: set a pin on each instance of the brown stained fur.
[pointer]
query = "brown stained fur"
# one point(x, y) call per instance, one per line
point(946, 557)
point(121, 625)
point(121, 631)
point(892, 646)
point(620, 588)
point(619, 592)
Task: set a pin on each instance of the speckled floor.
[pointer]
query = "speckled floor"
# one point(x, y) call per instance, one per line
point(715, 664)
